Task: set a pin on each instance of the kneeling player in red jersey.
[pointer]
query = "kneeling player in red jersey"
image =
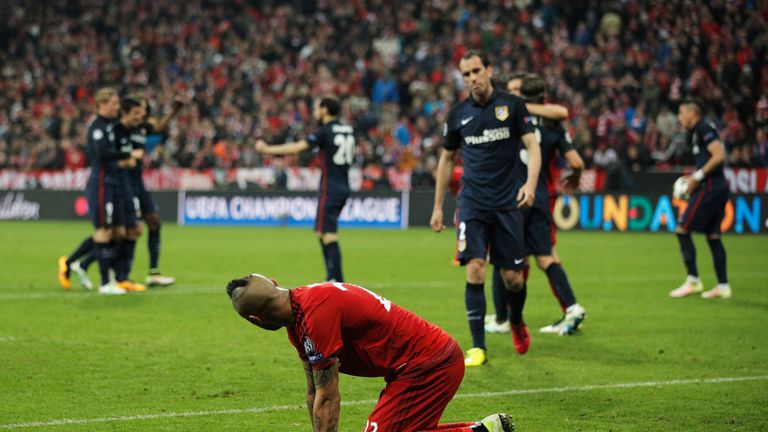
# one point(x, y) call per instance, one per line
point(339, 327)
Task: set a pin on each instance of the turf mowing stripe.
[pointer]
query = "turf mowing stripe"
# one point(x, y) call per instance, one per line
point(183, 289)
point(60, 422)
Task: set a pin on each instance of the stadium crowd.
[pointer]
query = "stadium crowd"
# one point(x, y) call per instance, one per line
point(250, 69)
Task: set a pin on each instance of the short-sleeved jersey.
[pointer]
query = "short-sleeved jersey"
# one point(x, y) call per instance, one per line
point(103, 152)
point(336, 142)
point(702, 135)
point(552, 138)
point(490, 138)
point(367, 334)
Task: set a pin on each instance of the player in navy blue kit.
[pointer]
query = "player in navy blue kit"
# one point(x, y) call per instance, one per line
point(499, 321)
point(488, 127)
point(708, 192)
point(107, 158)
point(149, 209)
point(128, 210)
point(336, 143)
point(538, 219)
point(100, 185)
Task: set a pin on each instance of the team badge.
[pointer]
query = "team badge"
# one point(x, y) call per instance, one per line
point(461, 245)
point(502, 112)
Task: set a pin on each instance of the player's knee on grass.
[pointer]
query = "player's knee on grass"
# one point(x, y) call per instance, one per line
point(713, 237)
point(513, 279)
point(476, 271)
point(153, 221)
point(328, 238)
point(680, 230)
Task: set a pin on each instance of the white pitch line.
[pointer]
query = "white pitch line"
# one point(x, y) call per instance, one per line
point(182, 289)
point(274, 408)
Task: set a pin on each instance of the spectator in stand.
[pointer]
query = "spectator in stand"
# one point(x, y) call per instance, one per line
point(249, 70)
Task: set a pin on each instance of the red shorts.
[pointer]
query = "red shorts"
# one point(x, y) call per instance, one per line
point(415, 402)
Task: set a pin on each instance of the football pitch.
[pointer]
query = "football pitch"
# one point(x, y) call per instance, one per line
point(180, 359)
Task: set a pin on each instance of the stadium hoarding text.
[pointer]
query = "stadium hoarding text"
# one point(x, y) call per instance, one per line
point(744, 213)
point(379, 210)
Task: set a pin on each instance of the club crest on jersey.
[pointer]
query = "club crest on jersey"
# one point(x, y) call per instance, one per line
point(309, 349)
point(502, 112)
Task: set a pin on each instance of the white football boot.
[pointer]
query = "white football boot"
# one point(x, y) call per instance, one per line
point(720, 291)
point(692, 285)
point(81, 274)
point(491, 326)
point(111, 289)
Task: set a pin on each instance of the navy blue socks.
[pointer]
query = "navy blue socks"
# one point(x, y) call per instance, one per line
point(689, 253)
point(474, 298)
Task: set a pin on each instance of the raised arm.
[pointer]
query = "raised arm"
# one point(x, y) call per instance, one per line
point(327, 403)
point(551, 111)
point(282, 149)
point(161, 125)
point(442, 179)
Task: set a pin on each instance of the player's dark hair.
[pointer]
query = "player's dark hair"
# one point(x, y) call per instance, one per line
point(532, 89)
point(472, 53)
point(234, 284)
point(332, 105)
point(696, 104)
point(517, 76)
point(128, 103)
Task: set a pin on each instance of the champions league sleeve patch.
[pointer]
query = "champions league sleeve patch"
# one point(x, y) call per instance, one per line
point(309, 349)
point(98, 134)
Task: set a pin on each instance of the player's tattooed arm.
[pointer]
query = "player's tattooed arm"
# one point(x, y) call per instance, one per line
point(310, 388)
point(325, 412)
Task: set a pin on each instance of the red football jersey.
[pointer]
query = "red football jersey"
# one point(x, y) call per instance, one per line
point(367, 334)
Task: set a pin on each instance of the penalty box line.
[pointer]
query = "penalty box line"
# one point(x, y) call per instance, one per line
point(631, 385)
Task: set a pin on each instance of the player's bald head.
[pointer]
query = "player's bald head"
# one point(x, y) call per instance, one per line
point(250, 293)
point(254, 297)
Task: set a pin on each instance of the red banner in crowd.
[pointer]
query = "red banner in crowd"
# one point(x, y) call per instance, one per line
point(298, 179)
point(740, 180)
point(747, 180)
point(160, 179)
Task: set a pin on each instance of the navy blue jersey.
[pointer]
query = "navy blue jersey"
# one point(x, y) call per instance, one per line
point(702, 135)
point(336, 143)
point(139, 141)
point(124, 144)
point(489, 138)
point(552, 138)
point(103, 152)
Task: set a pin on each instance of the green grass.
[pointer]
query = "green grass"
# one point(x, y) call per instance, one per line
point(76, 355)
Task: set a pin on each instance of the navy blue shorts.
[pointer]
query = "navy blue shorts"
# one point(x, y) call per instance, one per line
point(328, 211)
point(128, 209)
point(499, 232)
point(146, 202)
point(537, 232)
point(102, 204)
point(706, 208)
